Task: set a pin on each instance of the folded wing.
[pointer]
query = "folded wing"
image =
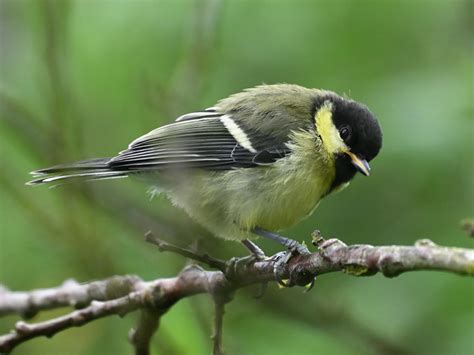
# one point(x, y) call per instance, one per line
point(204, 139)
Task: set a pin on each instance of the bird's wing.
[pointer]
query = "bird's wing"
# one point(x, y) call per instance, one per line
point(206, 139)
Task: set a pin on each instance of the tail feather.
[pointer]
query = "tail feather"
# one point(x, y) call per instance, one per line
point(86, 170)
point(90, 164)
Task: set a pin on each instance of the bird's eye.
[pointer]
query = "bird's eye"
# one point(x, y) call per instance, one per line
point(345, 133)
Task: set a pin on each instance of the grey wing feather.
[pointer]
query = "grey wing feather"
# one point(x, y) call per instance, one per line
point(208, 112)
point(195, 142)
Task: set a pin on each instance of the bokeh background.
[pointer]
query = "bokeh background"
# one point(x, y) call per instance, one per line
point(81, 79)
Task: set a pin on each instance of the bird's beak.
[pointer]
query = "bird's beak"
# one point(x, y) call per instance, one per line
point(360, 164)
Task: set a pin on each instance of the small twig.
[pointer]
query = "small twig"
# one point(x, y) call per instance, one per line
point(222, 294)
point(186, 252)
point(140, 336)
point(219, 309)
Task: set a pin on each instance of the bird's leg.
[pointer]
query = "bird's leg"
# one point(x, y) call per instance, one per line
point(293, 246)
point(281, 259)
point(254, 249)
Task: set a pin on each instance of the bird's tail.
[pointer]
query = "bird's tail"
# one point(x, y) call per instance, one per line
point(86, 170)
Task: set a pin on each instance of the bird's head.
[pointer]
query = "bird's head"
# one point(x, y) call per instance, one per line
point(350, 133)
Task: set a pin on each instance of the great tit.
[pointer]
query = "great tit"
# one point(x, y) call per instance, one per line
point(257, 162)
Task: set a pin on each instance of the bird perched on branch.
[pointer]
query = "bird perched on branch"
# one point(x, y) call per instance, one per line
point(257, 162)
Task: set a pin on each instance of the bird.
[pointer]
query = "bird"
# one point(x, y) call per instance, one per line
point(255, 163)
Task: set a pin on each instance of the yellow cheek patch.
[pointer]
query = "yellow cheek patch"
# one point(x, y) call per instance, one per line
point(328, 132)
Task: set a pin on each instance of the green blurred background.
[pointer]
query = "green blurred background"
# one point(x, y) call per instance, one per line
point(81, 79)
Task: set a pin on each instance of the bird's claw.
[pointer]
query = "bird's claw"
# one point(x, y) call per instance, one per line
point(295, 248)
point(310, 286)
point(281, 260)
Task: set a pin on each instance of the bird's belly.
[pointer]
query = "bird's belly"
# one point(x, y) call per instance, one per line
point(277, 205)
point(231, 203)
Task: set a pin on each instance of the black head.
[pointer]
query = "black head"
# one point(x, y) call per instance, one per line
point(358, 130)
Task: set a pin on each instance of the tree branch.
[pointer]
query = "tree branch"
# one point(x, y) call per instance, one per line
point(121, 295)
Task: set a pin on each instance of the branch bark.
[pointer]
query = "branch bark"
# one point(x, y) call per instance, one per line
point(121, 295)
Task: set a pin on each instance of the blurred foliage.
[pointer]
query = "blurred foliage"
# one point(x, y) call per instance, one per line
point(81, 79)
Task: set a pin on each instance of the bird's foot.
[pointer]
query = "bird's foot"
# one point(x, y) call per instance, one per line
point(238, 263)
point(281, 259)
point(255, 251)
point(280, 263)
